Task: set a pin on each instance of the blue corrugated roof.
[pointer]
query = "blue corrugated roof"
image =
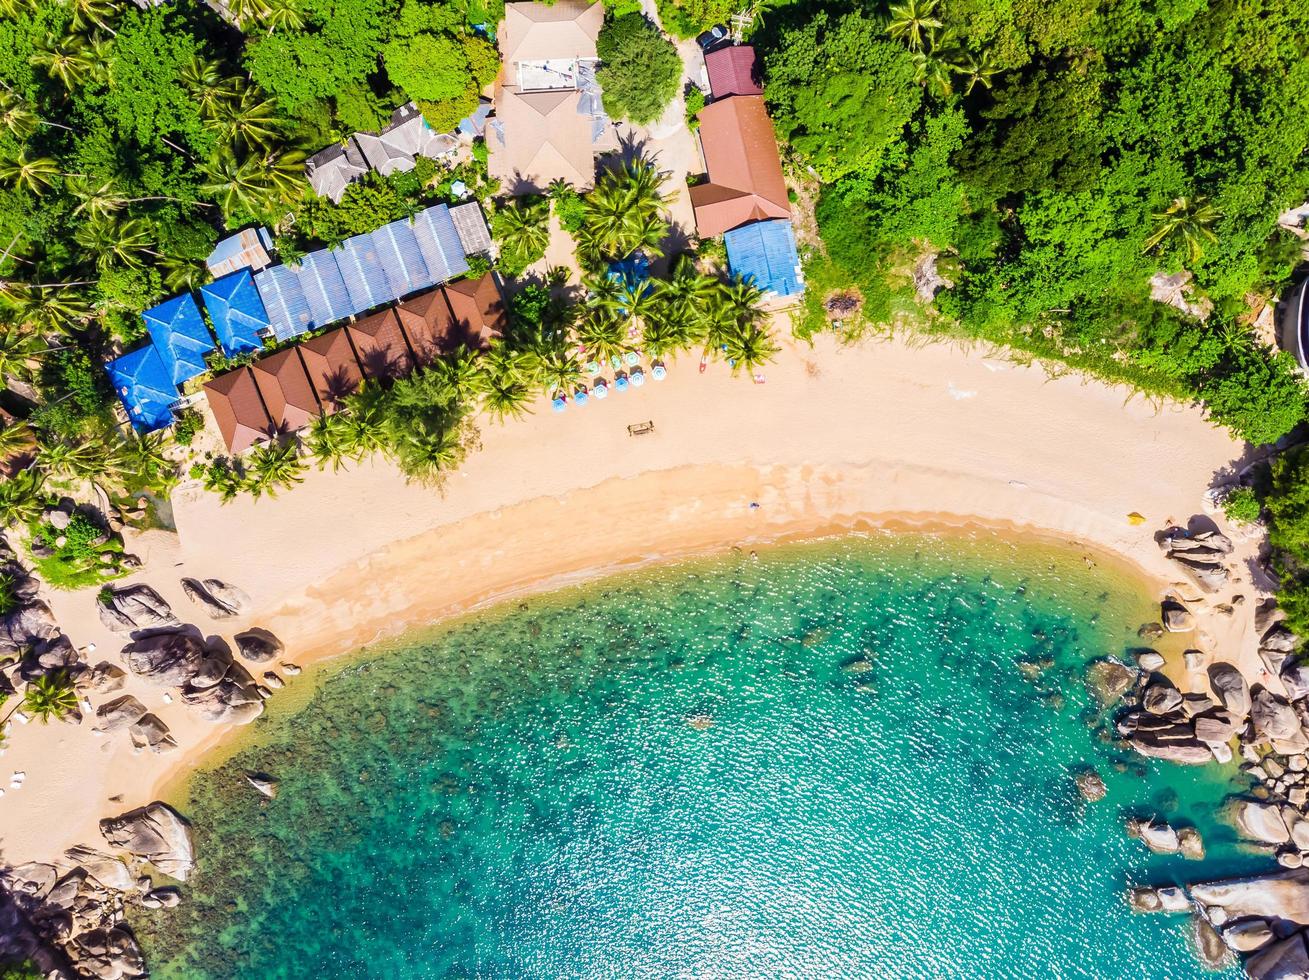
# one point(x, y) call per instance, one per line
point(764, 253)
point(141, 380)
point(439, 243)
point(473, 125)
point(236, 311)
point(180, 335)
point(363, 272)
point(397, 249)
point(324, 289)
point(284, 301)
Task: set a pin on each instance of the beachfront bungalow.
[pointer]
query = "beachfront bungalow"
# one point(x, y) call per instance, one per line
point(236, 312)
point(396, 149)
point(380, 343)
point(733, 71)
point(145, 386)
point(549, 119)
point(332, 367)
point(429, 325)
point(286, 390)
point(178, 333)
point(471, 227)
point(745, 172)
point(237, 408)
point(331, 170)
point(246, 249)
point(479, 310)
point(764, 253)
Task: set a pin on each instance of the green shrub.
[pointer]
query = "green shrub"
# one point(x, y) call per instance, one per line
point(1242, 506)
point(695, 101)
point(188, 424)
point(78, 562)
point(687, 18)
point(639, 69)
point(569, 207)
point(8, 600)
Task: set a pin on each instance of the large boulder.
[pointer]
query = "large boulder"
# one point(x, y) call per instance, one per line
point(26, 625)
point(104, 678)
point(1279, 638)
point(1262, 822)
point(1161, 698)
point(141, 607)
point(154, 833)
point(106, 953)
point(1230, 688)
point(1296, 678)
point(1176, 617)
point(1209, 576)
point(1166, 899)
point(148, 732)
point(212, 607)
point(1216, 726)
point(227, 595)
point(166, 659)
point(1286, 959)
point(1247, 935)
point(258, 646)
point(1159, 837)
point(120, 713)
point(1109, 680)
point(1276, 895)
point(233, 700)
point(1273, 717)
point(107, 869)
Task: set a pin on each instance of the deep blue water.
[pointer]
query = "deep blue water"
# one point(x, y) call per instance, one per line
point(827, 762)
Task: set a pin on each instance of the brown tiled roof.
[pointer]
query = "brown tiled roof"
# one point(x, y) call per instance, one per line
point(566, 29)
point(332, 367)
point(479, 310)
point(288, 395)
point(733, 71)
point(380, 344)
point(546, 137)
point(238, 410)
point(745, 172)
point(429, 325)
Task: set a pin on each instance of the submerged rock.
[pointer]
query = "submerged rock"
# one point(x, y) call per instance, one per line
point(1090, 785)
point(1190, 844)
point(1167, 899)
point(1213, 952)
point(263, 782)
point(1109, 680)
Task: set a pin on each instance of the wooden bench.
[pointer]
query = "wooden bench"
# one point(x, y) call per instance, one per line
point(640, 428)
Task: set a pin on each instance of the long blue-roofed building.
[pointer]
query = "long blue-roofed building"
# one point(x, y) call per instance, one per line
point(363, 273)
point(179, 334)
point(439, 242)
point(397, 248)
point(236, 312)
point(764, 253)
point(144, 385)
point(284, 301)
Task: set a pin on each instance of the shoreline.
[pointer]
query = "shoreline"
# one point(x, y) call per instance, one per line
point(883, 433)
point(172, 785)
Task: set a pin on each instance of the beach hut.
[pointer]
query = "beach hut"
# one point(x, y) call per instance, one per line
point(764, 253)
point(287, 392)
point(238, 409)
point(246, 249)
point(237, 313)
point(479, 310)
point(332, 367)
point(429, 324)
point(381, 346)
point(179, 334)
point(144, 386)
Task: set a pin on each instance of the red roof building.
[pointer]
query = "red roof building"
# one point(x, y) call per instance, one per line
point(429, 325)
point(745, 172)
point(238, 409)
point(479, 310)
point(287, 392)
point(733, 71)
point(332, 367)
point(381, 346)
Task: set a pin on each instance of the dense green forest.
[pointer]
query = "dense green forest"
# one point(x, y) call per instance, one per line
point(1055, 156)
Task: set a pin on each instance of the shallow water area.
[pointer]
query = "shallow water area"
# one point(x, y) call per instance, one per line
point(851, 758)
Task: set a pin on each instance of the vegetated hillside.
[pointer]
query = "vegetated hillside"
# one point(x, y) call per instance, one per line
point(1058, 155)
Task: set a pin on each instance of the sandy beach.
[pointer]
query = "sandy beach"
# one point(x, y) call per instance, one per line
point(882, 434)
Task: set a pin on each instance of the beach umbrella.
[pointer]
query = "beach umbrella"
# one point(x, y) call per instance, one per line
point(592, 367)
point(637, 377)
point(558, 404)
point(601, 390)
point(632, 357)
point(658, 372)
point(620, 383)
point(580, 397)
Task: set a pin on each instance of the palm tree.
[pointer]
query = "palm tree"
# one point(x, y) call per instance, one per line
point(66, 60)
point(913, 21)
point(671, 331)
point(932, 72)
point(247, 119)
point(284, 15)
point(247, 10)
point(241, 186)
point(976, 67)
point(51, 696)
point(327, 441)
point(603, 335)
point(17, 117)
point(18, 354)
point(624, 213)
point(523, 228)
point(92, 12)
point(509, 378)
point(35, 174)
point(1189, 220)
point(735, 306)
point(12, 8)
point(748, 345)
point(16, 438)
point(425, 452)
point(84, 460)
point(275, 466)
point(21, 498)
point(48, 307)
point(204, 79)
point(115, 242)
point(462, 373)
point(560, 372)
point(224, 479)
point(143, 460)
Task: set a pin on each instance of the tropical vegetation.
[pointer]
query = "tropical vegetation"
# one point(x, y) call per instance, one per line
point(640, 69)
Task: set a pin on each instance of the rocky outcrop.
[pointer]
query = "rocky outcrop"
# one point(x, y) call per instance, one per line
point(233, 699)
point(156, 834)
point(165, 659)
point(148, 732)
point(28, 624)
point(104, 678)
point(137, 607)
point(1109, 680)
point(1286, 959)
point(1261, 822)
point(1231, 690)
point(217, 598)
point(1202, 556)
point(118, 714)
point(258, 646)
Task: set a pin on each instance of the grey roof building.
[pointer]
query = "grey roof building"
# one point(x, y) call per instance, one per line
point(408, 137)
point(470, 225)
point(331, 170)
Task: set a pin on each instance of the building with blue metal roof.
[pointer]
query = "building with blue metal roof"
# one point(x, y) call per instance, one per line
point(439, 242)
point(764, 253)
point(324, 289)
point(397, 248)
point(364, 275)
point(237, 312)
point(284, 301)
point(179, 333)
point(143, 383)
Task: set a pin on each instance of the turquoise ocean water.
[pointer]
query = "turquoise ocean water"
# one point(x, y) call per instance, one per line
point(678, 774)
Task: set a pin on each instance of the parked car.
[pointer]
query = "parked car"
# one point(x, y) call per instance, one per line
point(712, 38)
